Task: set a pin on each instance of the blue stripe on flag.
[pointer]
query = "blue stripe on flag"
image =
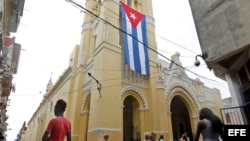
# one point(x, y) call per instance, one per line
point(145, 41)
point(137, 61)
point(124, 28)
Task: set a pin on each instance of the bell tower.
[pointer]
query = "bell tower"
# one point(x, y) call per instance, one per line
point(114, 99)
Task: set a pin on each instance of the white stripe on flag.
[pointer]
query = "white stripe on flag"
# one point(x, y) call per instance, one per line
point(130, 44)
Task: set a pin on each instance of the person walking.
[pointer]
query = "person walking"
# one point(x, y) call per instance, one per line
point(153, 136)
point(161, 138)
point(210, 126)
point(105, 137)
point(58, 127)
point(184, 137)
point(148, 137)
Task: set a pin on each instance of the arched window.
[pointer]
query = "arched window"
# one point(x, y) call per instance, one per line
point(129, 3)
point(51, 106)
point(135, 4)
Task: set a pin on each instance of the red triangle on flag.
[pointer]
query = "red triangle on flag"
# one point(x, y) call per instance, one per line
point(133, 15)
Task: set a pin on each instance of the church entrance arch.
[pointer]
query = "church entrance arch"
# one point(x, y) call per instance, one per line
point(135, 106)
point(180, 118)
point(131, 119)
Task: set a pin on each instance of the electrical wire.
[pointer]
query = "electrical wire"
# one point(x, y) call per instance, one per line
point(153, 76)
point(105, 21)
point(152, 32)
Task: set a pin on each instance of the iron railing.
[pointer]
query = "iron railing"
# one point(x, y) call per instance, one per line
point(239, 115)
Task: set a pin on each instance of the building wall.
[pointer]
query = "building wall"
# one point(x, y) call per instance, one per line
point(97, 109)
point(41, 117)
point(224, 31)
point(221, 25)
point(10, 15)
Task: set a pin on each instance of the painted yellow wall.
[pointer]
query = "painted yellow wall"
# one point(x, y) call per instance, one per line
point(93, 112)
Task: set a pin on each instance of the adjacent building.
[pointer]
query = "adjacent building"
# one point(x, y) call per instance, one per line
point(10, 15)
point(105, 96)
point(223, 29)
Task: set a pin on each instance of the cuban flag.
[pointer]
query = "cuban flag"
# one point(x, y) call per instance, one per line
point(135, 39)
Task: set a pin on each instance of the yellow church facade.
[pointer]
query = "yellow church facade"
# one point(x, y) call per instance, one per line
point(104, 96)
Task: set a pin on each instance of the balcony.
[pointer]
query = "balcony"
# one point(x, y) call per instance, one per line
point(15, 14)
point(239, 115)
point(6, 86)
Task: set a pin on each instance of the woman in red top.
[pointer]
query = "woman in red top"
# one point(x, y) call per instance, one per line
point(58, 127)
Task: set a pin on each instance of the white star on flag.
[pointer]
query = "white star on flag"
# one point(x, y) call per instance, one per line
point(132, 15)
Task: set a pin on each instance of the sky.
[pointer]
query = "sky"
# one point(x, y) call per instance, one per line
point(50, 29)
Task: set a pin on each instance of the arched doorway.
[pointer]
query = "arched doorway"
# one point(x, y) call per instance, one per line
point(180, 118)
point(131, 120)
point(85, 117)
